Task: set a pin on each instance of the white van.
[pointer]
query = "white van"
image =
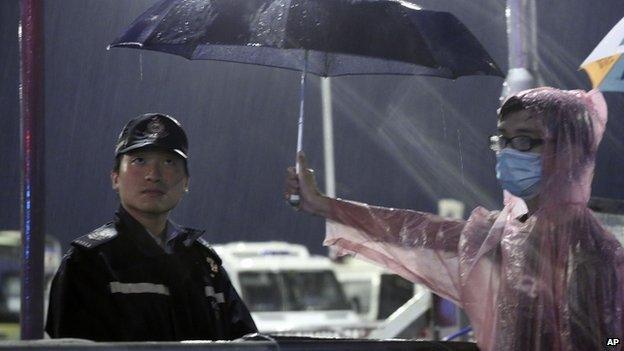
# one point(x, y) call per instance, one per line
point(375, 292)
point(10, 278)
point(394, 306)
point(391, 305)
point(288, 291)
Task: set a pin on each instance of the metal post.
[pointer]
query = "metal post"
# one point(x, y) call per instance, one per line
point(328, 147)
point(516, 33)
point(32, 197)
point(328, 137)
point(519, 76)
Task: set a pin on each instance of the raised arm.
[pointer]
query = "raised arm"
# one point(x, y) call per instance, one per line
point(419, 246)
point(400, 227)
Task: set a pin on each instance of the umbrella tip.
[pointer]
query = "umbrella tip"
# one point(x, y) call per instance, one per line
point(128, 44)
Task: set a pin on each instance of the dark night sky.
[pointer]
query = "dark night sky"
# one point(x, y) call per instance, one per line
point(400, 141)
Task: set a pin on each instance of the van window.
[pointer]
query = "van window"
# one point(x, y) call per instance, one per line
point(260, 292)
point(292, 291)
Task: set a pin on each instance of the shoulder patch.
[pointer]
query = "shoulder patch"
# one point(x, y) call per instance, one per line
point(211, 252)
point(97, 237)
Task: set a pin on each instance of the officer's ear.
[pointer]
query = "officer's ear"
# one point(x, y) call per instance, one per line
point(114, 175)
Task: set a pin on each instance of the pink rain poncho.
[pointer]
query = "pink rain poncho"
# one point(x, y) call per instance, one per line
point(552, 282)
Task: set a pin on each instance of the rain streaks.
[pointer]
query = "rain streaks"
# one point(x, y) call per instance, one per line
point(405, 137)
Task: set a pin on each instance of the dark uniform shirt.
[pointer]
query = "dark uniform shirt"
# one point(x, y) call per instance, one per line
point(118, 284)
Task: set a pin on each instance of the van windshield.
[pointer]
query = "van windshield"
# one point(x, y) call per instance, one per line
point(292, 291)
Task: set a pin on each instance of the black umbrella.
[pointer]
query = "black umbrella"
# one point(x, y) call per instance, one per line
point(323, 37)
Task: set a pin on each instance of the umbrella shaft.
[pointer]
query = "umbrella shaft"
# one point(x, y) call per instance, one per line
point(301, 108)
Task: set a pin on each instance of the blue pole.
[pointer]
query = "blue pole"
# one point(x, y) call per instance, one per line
point(459, 333)
point(32, 197)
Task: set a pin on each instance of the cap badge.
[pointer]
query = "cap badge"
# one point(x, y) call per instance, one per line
point(155, 129)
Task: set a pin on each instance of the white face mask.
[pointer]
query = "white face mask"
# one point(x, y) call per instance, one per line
point(519, 172)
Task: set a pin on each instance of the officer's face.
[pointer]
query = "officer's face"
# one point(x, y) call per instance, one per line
point(150, 182)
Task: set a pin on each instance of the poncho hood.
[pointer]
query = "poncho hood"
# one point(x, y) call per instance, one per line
point(574, 122)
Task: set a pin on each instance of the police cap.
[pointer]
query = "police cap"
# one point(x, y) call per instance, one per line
point(153, 130)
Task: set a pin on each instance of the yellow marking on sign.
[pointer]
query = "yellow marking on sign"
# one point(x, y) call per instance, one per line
point(598, 70)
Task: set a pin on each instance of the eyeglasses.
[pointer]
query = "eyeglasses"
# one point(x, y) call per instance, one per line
point(520, 143)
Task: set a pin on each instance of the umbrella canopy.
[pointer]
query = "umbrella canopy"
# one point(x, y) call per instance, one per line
point(604, 65)
point(323, 37)
point(338, 37)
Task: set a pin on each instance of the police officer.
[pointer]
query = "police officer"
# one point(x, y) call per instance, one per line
point(143, 277)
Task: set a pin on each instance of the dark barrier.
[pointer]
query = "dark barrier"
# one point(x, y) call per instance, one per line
point(274, 344)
